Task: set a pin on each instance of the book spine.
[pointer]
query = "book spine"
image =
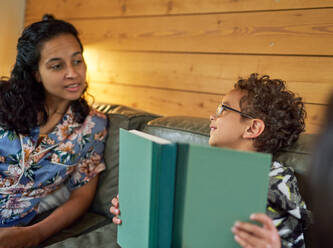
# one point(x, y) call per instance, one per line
point(154, 197)
point(166, 192)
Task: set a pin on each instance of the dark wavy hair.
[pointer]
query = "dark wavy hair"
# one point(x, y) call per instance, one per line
point(321, 184)
point(282, 112)
point(22, 98)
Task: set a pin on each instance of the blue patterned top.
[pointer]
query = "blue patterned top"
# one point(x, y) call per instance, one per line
point(70, 155)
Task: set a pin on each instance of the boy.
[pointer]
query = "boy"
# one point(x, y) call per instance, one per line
point(260, 115)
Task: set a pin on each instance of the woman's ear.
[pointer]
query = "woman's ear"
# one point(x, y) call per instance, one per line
point(254, 129)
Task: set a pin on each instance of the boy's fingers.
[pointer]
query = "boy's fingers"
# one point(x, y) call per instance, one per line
point(264, 219)
point(115, 220)
point(240, 241)
point(114, 210)
point(246, 240)
point(115, 202)
point(251, 228)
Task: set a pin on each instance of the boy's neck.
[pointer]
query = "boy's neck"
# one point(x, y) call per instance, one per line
point(247, 145)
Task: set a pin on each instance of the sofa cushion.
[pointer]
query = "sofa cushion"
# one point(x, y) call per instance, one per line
point(85, 224)
point(105, 236)
point(119, 117)
point(298, 156)
point(180, 129)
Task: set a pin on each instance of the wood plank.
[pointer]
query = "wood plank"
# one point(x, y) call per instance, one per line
point(304, 32)
point(310, 77)
point(105, 8)
point(168, 102)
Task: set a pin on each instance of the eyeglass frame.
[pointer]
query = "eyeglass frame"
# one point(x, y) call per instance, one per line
point(221, 107)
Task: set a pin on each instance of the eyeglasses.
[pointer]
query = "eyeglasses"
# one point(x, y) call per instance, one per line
point(223, 107)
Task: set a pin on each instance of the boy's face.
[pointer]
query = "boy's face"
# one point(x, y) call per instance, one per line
point(227, 130)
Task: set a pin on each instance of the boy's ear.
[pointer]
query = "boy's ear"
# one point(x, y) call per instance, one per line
point(254, 129)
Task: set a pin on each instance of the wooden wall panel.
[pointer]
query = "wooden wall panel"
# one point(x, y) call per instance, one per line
point(114, 8)
point(166, 102)
point(176, 57)
point(306, 32)
point(213, 74)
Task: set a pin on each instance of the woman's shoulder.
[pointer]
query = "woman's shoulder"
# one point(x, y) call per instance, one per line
point(96, 114)
point(97, 118)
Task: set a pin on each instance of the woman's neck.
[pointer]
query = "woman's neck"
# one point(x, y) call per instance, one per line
point(54, 114)
point(58, 107)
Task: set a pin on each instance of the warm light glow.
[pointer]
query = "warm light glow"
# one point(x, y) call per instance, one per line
point(91, 58)
point(102, 70)
point(101, 65)
point(11, 25)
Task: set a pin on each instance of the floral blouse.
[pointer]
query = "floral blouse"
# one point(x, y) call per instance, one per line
point(71, 155)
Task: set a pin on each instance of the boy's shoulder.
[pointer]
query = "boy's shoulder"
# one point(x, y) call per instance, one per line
point(280, 170)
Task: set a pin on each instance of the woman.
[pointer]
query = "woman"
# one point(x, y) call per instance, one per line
point(51, 141)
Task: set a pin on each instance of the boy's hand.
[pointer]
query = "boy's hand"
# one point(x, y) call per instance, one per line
point(115, 210)
point(252, 236)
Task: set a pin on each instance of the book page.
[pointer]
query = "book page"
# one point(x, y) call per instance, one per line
point(153, 138)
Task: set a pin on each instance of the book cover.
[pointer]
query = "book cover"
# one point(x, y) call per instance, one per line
point(146, 190)
point(214, 188)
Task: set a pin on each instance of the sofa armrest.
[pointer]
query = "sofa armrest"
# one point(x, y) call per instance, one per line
point(119, 117)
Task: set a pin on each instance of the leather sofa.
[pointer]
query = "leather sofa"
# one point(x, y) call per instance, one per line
point(95, 228)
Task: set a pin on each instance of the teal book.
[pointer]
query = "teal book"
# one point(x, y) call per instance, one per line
point(214, 188)
point(147, 167)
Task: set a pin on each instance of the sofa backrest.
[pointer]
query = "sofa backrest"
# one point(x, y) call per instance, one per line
point(180, 129)
point(196, 130)
point(177, 129)
point(119, 117)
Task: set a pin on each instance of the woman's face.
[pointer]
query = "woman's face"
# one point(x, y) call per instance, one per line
point(62, 69)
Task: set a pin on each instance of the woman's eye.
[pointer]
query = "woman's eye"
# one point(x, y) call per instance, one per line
point(77, 61)
point(56, 67)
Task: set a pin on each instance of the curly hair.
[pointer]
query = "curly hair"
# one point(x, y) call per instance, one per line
point(22, 98)
point(282, 112)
